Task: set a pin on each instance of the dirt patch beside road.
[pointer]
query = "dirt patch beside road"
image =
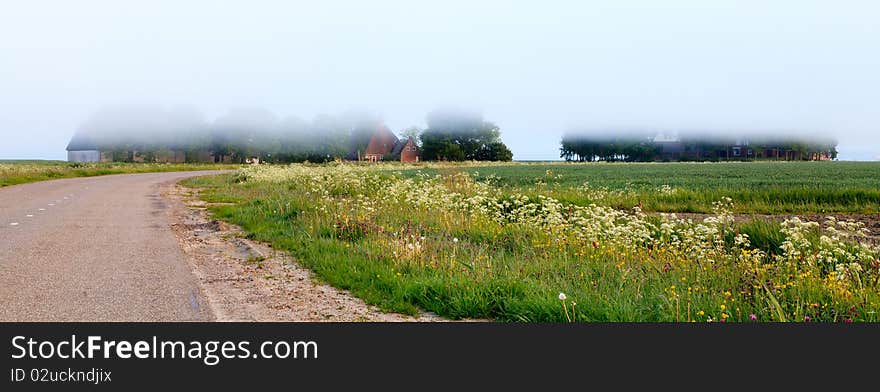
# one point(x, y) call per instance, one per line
point(248, 281)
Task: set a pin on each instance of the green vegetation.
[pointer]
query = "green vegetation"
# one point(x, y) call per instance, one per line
point(495, 241)
point(460, 137)
point(642, 147)
point(757, 187)
point(20, 172)
point(157, 136)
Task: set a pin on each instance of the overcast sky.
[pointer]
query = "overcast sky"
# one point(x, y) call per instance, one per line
point(535, 68)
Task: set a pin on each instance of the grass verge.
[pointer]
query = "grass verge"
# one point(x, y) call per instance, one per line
point(466, 248)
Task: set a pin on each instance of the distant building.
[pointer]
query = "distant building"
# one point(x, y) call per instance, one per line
point(83, 149)
point(381, 144)
point(674, 148)
point(384, 145)
point(407, 150)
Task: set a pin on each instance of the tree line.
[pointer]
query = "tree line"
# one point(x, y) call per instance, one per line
point(242, 134)
point(645, 147)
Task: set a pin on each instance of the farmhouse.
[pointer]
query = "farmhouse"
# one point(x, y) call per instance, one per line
point(384, 145)
point(407, 150)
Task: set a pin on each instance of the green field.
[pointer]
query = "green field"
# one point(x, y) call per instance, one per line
point(506, 241)
point(21, 172)
point(758, 187)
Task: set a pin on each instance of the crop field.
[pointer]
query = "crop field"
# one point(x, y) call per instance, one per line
point(575, 242)
point(757, 187)
point(20, 172)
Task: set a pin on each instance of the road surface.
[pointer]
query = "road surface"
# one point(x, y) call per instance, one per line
point(94, 249)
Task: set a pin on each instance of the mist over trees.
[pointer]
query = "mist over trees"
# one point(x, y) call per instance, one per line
point(614, 146)
point(644, 146)
point(460, 136)
point(240, 134)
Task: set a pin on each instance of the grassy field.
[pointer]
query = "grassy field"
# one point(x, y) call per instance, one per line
point(530, 242)
point(20, 172)
point(759, 187)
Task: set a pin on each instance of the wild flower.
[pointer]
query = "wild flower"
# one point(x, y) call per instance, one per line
point(666, 190)
point(835, 255)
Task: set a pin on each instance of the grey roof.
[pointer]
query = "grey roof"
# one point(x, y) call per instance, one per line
point(398, 147)
point(80, 142)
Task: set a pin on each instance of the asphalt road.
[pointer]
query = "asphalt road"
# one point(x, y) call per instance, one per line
point(94, 249)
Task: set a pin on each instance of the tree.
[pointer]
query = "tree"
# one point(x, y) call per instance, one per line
point(414, 133)
point(495, 151)
point(459, 136)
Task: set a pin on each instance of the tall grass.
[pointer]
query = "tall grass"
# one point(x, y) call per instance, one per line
point(406, 241)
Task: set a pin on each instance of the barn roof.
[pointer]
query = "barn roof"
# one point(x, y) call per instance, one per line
point(382, 142)
point(81, 142)
point(398, 147)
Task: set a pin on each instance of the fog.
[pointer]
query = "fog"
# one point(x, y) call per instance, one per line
point(536, 69)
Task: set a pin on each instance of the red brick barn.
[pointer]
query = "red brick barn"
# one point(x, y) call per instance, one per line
point(384, 144)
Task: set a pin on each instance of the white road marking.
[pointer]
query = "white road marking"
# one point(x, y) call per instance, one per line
point(13, 224)
point(42, 209)
point(30, 215)
point(65, 197)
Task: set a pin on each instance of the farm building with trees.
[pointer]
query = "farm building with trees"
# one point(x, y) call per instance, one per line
point(385, 146)
point(240, 136)
point(648, 147)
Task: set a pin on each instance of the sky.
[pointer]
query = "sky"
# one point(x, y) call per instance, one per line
point(535, 68)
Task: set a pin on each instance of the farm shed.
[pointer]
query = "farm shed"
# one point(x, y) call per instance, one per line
point(83, 149)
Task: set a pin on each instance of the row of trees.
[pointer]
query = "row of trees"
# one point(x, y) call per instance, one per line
point(644, 147)
point(629, 147)
point(241, 134)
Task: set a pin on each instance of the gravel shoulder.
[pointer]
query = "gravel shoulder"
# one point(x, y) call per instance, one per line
point(244, 280)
